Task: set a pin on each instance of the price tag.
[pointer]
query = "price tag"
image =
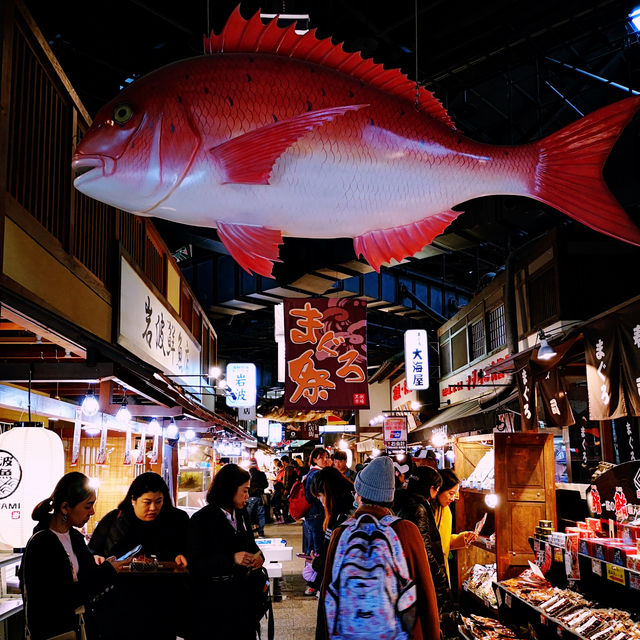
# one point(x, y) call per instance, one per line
point(557, 555)
point(596, 567)
point(615, 573)
point(634, 581)
point(499, 596)
point(507, 599)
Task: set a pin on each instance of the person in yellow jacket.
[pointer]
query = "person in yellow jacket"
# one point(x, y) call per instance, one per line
point(447, 493)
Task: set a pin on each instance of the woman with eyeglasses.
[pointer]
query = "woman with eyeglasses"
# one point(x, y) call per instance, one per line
point(447, 493)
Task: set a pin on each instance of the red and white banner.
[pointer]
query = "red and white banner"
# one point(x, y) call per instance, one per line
point(326, 354)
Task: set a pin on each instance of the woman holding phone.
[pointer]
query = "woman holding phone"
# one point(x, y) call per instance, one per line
point(59, 575)
point(147, 523)
point(223, 555)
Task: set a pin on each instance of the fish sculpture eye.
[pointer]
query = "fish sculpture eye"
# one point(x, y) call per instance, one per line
point(122, 113)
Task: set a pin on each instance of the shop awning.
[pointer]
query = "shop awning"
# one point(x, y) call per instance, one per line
point(478, 414)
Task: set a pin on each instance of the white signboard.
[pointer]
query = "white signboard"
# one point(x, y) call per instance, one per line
point(263, 427)
point(469, 384)
point(275, 432)
point(247, 413)
point(395, 433)
point(416, 359)
point(241, 379)
point(149, 330)
point(31, 463)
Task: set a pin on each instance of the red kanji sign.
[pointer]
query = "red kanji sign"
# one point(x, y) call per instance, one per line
point(326, 352)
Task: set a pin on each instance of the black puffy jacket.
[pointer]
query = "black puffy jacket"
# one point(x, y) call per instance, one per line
point(417, 509)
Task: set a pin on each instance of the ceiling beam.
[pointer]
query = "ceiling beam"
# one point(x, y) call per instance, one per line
point(55, 372)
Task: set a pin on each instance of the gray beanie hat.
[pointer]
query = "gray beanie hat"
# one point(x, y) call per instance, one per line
point(376, 482)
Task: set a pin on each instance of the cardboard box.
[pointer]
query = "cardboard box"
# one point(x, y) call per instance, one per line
point(595, 524)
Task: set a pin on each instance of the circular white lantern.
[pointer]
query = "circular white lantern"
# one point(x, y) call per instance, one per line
point(32, 459)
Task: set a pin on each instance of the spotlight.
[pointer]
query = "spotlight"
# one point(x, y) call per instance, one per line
point(215, 373)
point(415, 405)
point(124, 415)
point(491, 500)
point(154, 428)
point(172, 430)
point(90, 404)
point(545, 352)
point(634, 19)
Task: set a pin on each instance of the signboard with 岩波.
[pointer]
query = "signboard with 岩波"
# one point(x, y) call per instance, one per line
point(395, 434)
point(149, 329)
point(326, 353)
point(615, 494)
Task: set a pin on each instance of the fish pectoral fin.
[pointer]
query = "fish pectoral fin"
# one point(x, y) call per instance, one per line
point(249, 158)
point(254, 248)
point(381, 245)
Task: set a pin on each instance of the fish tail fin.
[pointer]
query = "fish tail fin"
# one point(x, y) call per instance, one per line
point(569, 172)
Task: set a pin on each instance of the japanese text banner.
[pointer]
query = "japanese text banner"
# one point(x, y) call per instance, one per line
point(326, 354)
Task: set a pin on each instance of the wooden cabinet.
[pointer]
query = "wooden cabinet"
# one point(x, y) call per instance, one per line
point(525, 486)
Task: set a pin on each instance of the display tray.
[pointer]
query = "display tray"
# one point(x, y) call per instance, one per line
point(493, 610)
point(515, 610)
point(484, 543)
point(9, 606)
point(164, 568)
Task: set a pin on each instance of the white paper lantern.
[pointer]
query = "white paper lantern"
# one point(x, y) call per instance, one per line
point(31, 463)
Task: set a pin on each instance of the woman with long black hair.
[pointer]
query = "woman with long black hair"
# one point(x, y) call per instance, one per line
point(59, 575)
point(223, 555)
point(145, 518)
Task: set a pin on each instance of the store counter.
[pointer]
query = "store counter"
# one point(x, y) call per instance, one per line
point(275, 551)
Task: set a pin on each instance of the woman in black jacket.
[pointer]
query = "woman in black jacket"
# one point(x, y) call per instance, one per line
point(222, 555)
point(415, 504)
point(335, 492)
point(59, 574)
point(145, 517)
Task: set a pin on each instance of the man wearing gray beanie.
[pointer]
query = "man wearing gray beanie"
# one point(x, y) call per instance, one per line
point(368, 556)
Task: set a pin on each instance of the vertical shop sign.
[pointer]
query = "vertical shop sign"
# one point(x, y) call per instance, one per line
point(241, 379)
point(143, 445)
point(604, 382)
point(626, 441)
point(326, 353)
point(127, 445)
point(77, 433)
point(628, 320)
point(527, 398)
point(416, 359)
point(395, 434)
point(101, 454)
point(554, 397)
point(153, 457)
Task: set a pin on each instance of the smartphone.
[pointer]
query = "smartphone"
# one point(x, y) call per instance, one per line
point(304, 556)
point(131, 553)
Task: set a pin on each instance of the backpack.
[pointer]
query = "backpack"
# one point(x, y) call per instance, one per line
point(298, 504)
point(371, 593)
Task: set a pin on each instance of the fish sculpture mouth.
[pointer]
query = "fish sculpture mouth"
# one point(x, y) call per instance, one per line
point(88, 168)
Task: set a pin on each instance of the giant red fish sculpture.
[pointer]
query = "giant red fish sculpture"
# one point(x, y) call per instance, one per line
point(272, 133)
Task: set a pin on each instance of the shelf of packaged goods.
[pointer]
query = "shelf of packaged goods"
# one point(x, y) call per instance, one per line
point(481, 492)
point(543, 623)
point(604, 569)
point(9, 605)
point(492, 608)
point(483, 543)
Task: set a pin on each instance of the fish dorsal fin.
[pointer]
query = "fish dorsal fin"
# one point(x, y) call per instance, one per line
point(252, 36)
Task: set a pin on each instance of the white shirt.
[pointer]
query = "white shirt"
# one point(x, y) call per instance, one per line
point(65, 540)
point(231, 517)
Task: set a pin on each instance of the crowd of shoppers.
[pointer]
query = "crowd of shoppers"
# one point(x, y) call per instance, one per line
point(398, 511)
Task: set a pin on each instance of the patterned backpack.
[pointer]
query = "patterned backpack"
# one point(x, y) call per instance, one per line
point(371, 593)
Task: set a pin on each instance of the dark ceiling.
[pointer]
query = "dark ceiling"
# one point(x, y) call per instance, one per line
point(508, 72)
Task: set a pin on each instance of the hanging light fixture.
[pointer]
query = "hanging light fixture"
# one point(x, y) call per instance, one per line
point(172, 430)
point(545, 351)
point(90, 404)
point(124, 415)
point(154, 428)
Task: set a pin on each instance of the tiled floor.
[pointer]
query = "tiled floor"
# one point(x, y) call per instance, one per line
point(295, 615)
